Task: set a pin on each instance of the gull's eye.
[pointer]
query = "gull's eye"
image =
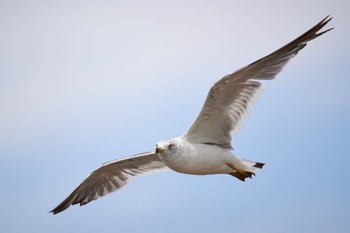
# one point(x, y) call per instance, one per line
point(170, 146)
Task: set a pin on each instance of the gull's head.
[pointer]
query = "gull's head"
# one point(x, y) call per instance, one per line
point(167, 147)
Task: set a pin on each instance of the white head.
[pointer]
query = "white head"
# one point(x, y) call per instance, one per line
point(168, 147)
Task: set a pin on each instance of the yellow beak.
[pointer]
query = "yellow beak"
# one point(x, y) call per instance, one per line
point(159, 149)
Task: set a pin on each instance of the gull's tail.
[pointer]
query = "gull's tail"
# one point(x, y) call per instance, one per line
point(252, 164)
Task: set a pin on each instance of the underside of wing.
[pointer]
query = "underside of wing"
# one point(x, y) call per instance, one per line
point(222, 112)
point(230, 98)
point(110, 177)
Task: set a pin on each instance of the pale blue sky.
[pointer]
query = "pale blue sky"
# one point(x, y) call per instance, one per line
point(85, 82)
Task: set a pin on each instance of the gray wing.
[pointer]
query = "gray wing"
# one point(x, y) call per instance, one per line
point(230, 98)
point(110, 177)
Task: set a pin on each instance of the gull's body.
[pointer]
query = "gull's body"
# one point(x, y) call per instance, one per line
point(206, 147)
point(200, 158)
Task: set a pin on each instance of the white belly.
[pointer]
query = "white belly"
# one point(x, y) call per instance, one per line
point(200, 159)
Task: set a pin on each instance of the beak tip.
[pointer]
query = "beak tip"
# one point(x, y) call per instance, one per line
point(158, 149)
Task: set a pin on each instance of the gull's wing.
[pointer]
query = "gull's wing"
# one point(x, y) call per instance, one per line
point(111, 176)
point(229, 99)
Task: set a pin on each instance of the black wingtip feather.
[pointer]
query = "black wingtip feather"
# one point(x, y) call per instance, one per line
point(259, 165)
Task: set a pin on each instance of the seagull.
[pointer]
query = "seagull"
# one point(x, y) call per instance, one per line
point(206, 146)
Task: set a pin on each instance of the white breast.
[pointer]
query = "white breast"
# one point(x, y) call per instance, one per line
point(199, 159)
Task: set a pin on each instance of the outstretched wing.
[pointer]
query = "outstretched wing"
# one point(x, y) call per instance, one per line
point(230, 98)
point(110, 177)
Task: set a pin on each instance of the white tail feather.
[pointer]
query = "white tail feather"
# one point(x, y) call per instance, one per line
point(253, 166)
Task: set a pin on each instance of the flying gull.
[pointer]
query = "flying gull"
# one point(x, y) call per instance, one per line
point(206, 147)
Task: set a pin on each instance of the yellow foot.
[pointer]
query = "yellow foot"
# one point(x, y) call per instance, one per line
point(240, 173)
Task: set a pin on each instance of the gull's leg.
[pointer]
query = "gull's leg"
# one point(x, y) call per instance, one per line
point(240, 173)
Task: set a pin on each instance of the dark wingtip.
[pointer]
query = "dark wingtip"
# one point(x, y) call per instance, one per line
point(327, 19)
point(53, 212)
point(57, 210)
point(64, 204)
point(322, 24)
